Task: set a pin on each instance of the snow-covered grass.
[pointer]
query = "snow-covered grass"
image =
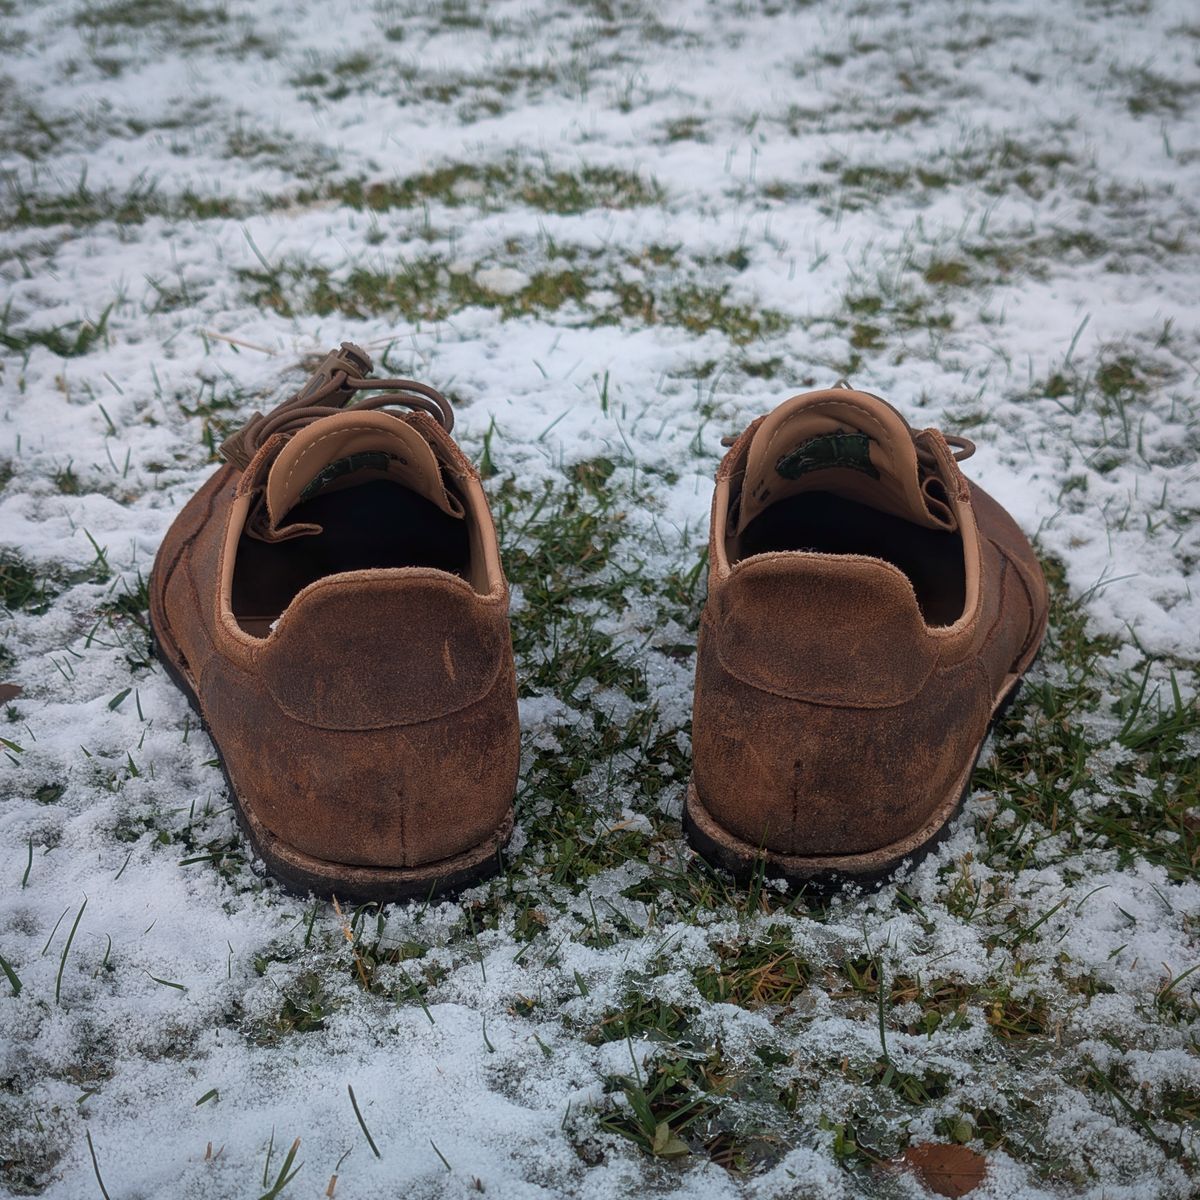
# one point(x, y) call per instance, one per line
point(613, 232)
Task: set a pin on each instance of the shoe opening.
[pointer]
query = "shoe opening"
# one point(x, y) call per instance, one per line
point(824, 522)
point(364, 522)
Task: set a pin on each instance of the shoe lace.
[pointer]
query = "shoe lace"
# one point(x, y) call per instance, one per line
point(339, 377)
point(963, 449)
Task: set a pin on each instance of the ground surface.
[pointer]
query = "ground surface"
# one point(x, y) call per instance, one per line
point(613, 233)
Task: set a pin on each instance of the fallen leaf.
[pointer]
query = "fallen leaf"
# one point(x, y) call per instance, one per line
point(666, 1144)
point(946, 1170)
point(9, 691)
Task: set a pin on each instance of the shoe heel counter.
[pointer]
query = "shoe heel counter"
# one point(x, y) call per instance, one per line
point(381, 649)
point(742, 763)
point(794, 777)
point(400, 796)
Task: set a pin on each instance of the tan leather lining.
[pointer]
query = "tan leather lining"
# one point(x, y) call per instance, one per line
point(897, 489)
point(411, 460)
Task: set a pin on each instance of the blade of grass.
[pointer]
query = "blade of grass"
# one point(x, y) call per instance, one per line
point(362, 1124)
point(283, 1178)
point(96, 1165)
point(62, 962)
point(13, 979)
point(440, 1155)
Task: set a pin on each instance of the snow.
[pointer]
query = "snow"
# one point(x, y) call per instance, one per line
point(779, 93)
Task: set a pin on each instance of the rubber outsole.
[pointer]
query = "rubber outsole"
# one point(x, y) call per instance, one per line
point(827, 873)
point(304, 875)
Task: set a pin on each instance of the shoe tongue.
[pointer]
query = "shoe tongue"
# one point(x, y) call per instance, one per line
point(850, 443)
point(326, 454)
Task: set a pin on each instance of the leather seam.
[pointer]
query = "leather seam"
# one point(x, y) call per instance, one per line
point(824, 699)
point(1002, 588)
point(1034, 624)
point(181, 561)
point(495, 682)
point(186, 544)
point(486, 688)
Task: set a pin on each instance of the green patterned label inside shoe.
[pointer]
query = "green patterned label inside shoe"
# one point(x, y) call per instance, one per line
point(837, 449)
point(367, 460)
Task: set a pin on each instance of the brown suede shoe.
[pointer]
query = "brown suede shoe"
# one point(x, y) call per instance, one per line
point(332, 603)
point(869, 613)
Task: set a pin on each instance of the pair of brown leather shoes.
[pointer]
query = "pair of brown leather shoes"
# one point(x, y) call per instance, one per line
point(332, 603)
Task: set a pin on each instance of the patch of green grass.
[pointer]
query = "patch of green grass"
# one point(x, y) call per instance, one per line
point(1041, 770)
point(29, 131)
point(1151, 93)
point(866, 337)
point(866, 178)
point(1008, 163)
point(495, 186)
point(1173, 1110)
point(135, 14)
point(1123, 377)
point(941, 1004)
point(23, 588)
point(67, 481)
point(998, 166)
point(854, 186)
point(220, 407)
point(425, 289)
point(874, 318)
point(576, 840)
point(305, 1008)
point(689, 1100)
point(559, 551)
point(1003, 257)
point(420, 290)
point(69, 340)
point(250, 142)
point(766, 971)
point(84, 206)
point(111, 27)
point(126, 614)
point(699, 309)
point(642, 1016)
point(458, 14)
point(1120, 389)
point(684, 129)
point(568, 554)
point(113, 32)
point(472, 94)
point(673, 1101)
point(384, 965)
point(741, 1113)
point(131, 602)
point(765, 368)
point(943, 272)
